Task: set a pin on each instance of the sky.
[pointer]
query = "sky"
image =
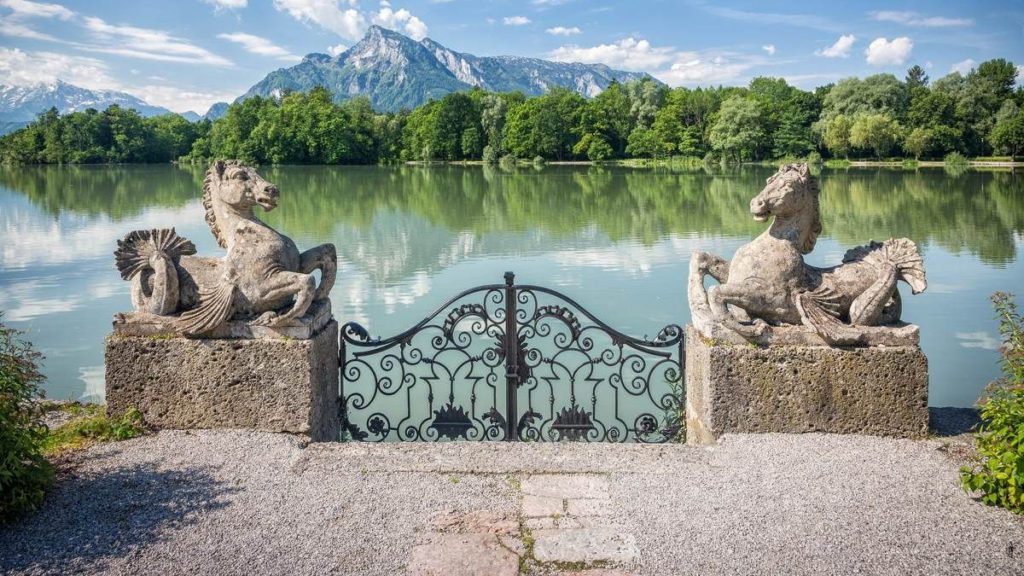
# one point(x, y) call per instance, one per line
point(188, 54)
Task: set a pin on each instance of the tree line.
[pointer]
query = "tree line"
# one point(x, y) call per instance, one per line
point(977, 114)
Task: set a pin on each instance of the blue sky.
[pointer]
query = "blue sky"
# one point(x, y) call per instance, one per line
point(187, 54)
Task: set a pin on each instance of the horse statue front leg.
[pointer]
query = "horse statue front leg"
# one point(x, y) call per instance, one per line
point(743, 297)
point(325, 258)
point(280, 286)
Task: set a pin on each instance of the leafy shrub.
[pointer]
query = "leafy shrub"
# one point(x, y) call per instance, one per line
point(490, 155)
point(814, 158)
point(955, 159)
point(999, 472)
point(539, 160)
point(507, 161)
point(24, 471)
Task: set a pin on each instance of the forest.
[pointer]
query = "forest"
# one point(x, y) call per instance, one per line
point(975, 115)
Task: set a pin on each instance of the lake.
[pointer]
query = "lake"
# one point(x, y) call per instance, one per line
point(617, 240)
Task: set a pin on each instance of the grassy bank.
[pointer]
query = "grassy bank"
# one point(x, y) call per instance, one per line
point(74, 426)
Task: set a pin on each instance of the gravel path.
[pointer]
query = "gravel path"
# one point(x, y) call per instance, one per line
point(230, 502)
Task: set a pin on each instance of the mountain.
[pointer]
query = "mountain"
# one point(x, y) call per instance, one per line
point(191, 116)
point(216, 111)
point(19, 105)
point(397, 72)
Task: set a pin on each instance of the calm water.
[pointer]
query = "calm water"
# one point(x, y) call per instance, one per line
point(617, 240)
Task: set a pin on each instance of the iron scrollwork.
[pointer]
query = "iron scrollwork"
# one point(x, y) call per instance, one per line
point(512, 362)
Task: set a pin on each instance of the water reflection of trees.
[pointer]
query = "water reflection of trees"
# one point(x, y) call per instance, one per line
point(115, 191)
point(978, 212)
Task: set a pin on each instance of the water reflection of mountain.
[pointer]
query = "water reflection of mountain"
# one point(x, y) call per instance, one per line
point(408, 217)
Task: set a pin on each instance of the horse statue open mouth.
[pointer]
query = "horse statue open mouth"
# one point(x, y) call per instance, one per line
point(767, 287)
point(263, 278)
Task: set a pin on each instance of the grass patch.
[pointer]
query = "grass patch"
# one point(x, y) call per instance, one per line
point(89, 424)
point(837, 163)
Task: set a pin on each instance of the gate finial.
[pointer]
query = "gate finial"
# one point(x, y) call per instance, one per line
point(510, 278)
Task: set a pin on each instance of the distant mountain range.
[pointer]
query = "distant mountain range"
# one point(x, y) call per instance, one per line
point(19, 105)
point(393, 70)
point(396, 72)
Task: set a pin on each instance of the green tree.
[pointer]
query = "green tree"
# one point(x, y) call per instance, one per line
point(1008, 134)
point(837, 135)
point(879, 133)
point(916, 77)
point(737, 133)
point(918, 142)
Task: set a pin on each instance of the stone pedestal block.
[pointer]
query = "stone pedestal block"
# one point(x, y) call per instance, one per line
point(880, 390)
point(272, 384)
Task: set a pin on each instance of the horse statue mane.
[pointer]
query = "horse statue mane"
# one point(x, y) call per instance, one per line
point(767, 290)
point(212, 177)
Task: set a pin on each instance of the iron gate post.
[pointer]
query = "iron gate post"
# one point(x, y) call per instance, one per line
point(511, 358)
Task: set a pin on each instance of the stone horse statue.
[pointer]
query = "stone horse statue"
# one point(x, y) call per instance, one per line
point(767, 286)
point(263, 278)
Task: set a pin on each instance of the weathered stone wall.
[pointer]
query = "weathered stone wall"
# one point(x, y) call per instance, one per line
point(277, 385)
point(880, 390)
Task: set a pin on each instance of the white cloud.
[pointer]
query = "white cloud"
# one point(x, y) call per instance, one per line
point(707, 67)
point(227, 4)
point(258, 45)
point(882, 52)
point(14, 25)
point(548, 2)
point(401, 20)
point(11, 27)
point(919, 20)
point(664, 62)
point(328, 14)
point(26, 9)
point(344, 18)
point(963, 67)
point(841, 48)
point(336, 49)
point(147, 44)
point(628, 54)
point(563, 31)
point(181, 99)
point(769, 48)
point(26, 68)
point(516, 20)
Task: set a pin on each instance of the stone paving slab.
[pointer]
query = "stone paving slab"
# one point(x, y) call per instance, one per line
point(566, 486)
point(584, 545)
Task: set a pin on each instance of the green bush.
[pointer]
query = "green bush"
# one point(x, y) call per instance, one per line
point(24, 471)
point(999, 472)
point(539, 160)
point(814, 158)
point(490, 155)
point(955, 159)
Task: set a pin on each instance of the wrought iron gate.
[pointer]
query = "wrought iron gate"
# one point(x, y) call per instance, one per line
point(511, 362)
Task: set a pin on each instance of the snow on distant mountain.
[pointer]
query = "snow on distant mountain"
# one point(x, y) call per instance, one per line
point(20, 105)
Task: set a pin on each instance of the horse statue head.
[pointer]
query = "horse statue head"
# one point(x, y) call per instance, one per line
point(791, 196)
point(230, 187)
